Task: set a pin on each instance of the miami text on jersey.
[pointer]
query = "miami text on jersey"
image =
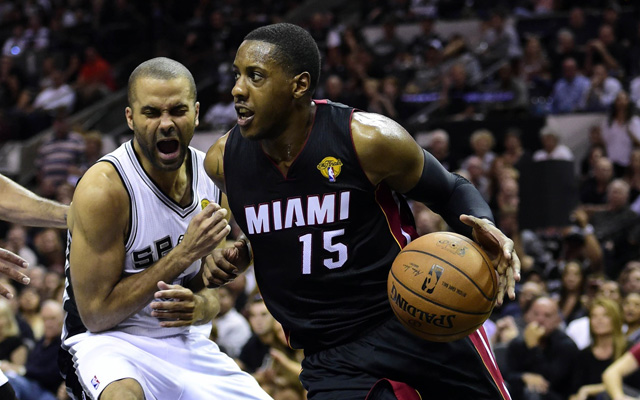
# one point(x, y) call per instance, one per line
point(297, 212)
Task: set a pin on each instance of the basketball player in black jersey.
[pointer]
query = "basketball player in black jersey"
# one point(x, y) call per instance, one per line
point(19, 205)
point(318, 189)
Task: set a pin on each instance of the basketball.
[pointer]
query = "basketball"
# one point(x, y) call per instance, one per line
point(442, 286)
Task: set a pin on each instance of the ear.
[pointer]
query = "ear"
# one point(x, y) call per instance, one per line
point(128, 113)
point(301, 85)
point(197, 121)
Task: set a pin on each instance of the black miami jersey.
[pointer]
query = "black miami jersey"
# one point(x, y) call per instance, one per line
point(323, 236)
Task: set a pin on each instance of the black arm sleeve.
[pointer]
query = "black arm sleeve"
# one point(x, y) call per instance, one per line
point(449, 195)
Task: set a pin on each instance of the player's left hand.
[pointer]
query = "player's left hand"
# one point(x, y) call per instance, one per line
point(500, 249)
point(176, 306)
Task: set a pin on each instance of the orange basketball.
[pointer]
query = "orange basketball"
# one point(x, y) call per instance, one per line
point(442, 286)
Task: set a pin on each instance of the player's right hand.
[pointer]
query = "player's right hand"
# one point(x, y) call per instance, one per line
point(205, 231)
point(8, 264)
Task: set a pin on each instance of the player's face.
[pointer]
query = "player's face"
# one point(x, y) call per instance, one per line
point(262, 92)
point(163, 117)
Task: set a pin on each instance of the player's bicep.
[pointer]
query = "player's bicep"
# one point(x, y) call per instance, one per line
point(97, 243)
point(214, 161)
point(386, 151)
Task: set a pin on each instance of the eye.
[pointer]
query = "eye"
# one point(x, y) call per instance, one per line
point(236, 75)
point(255, 76)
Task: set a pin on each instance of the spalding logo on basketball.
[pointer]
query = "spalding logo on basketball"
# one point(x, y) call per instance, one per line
point(442, 286)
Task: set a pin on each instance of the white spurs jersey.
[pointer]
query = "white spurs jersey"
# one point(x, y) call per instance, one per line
point(157, 225)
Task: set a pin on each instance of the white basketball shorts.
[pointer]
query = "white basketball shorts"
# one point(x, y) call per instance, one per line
point(182, 367)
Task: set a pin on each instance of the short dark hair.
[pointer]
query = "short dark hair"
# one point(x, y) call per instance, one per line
point(160, 68)
point(297, 51)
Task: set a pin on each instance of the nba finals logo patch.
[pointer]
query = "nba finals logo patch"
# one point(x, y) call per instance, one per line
point(95, 382)
point(204, 203)
point(330, 168)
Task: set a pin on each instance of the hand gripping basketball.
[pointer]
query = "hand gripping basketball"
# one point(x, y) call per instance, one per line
point(500, 249)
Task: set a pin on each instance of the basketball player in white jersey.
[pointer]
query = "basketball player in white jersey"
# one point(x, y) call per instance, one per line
point(142, 219)
point(24, 207)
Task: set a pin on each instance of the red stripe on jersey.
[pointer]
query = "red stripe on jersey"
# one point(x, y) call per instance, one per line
point(401, 390)
point(481, 343)
point(398, 216)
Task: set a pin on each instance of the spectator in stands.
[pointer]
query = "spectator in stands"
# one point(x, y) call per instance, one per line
point(593, 191)
point(621, 132)
point(606, 50)
point(429, 69)
point(631, 316)
point(438, 145)
point(95, 78)
point(603, 90)
point(514, 153)
point(629, 278)
point(617, 228)
point(39, 378)
point(572, 288)
point(564, 47)
point(233, 329)
point(552, 149)
point(12, 346)
point(16, 243)
point(29, 309)
point(528, 291)
point(50, 249)
point(454, 102)
point(582, 31)
point(57, 154)
point(590, 160)
point(58, 96)
point(500, 42)
point(425, 38)
point(377, 101)
point(389, 45)
point(541, 361)
point(474, 171)
point(512, 94)
point(534, 66)
point(456, 51)
point(221, 116)
point(334, 90)
point(482, 142)
point(569, 91)
point(255, 353)
point(608, 343)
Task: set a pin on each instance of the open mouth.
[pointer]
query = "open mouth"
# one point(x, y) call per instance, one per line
point(244, 116)
point(168, 148)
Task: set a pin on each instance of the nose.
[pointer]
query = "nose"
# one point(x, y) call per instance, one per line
point(238, 90)
point(166, 123)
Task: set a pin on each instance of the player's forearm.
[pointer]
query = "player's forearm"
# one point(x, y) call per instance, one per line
point(22, 206)
point(130, 294)
point(207, 306)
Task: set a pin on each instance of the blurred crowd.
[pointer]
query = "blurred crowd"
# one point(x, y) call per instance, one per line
point(578, 303)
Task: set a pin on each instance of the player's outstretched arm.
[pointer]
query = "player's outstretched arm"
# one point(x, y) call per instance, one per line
point(20, 205)
point(98, 222)
point(389, 155)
